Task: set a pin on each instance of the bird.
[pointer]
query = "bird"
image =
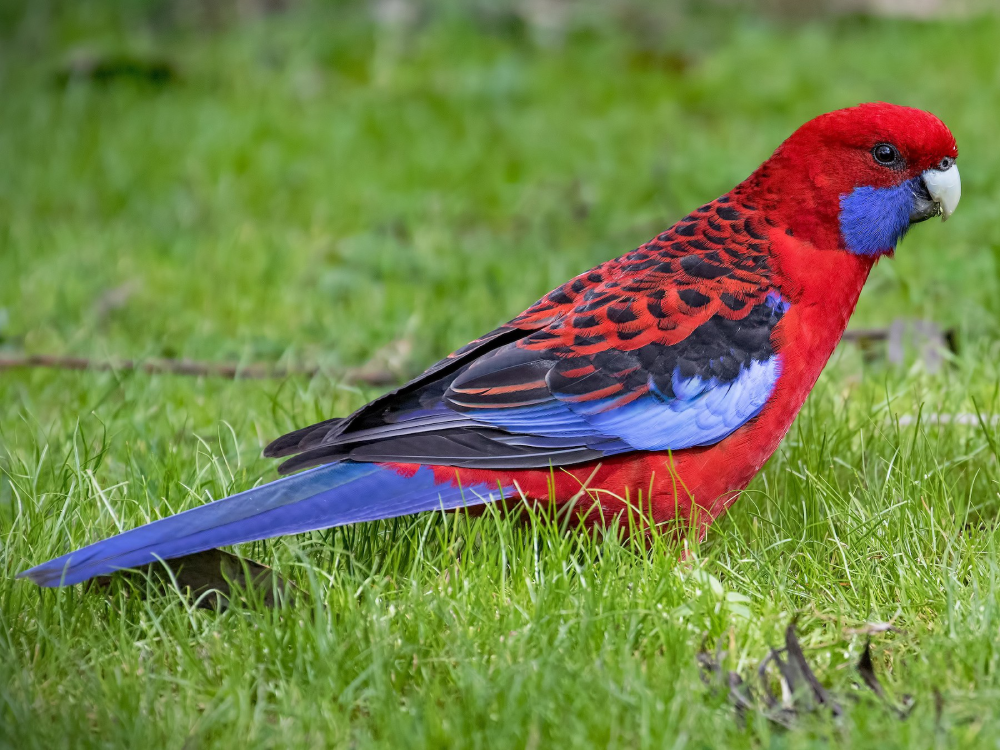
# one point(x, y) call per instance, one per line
point(660, 380)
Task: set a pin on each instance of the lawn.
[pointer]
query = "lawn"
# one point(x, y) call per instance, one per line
point(339, 188)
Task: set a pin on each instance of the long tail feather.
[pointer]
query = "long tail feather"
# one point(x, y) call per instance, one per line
point(332, 495)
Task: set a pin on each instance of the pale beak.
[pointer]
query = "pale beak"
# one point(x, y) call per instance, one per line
point(944, 189)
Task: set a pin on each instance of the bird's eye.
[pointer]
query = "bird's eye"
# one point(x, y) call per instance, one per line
point(886, 154)
point(946, 163)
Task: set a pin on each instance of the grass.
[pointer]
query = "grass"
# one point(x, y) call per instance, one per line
point(316, 187)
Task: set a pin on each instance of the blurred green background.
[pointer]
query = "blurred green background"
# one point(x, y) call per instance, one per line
point(372, 184)
point(256, 180)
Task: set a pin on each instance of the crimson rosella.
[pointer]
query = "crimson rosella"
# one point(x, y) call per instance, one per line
point(662, 379)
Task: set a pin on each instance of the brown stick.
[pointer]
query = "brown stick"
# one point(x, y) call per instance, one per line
point(188, 367)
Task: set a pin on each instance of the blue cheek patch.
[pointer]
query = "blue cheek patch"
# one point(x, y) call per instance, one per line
point(873, 220)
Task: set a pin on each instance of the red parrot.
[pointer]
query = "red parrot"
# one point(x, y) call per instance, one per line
point(664, 378)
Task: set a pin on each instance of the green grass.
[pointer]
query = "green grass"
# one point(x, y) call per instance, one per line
point(315, 188)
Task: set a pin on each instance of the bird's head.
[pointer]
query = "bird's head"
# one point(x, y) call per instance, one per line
point(859, 177)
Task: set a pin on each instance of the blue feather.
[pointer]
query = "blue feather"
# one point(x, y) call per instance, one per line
point(332, 495)
point(702, 412)
point(874, 220)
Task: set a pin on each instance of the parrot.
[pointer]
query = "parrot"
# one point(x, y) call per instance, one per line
point(666, 376)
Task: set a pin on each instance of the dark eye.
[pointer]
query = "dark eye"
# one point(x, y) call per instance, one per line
point(886, 154)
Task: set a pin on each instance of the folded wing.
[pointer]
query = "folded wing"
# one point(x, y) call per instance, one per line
point(667, 347)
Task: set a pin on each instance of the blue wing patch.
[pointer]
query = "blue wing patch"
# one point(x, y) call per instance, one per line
point(702, 412)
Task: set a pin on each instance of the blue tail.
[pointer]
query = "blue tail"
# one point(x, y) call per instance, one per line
point(332, 495)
